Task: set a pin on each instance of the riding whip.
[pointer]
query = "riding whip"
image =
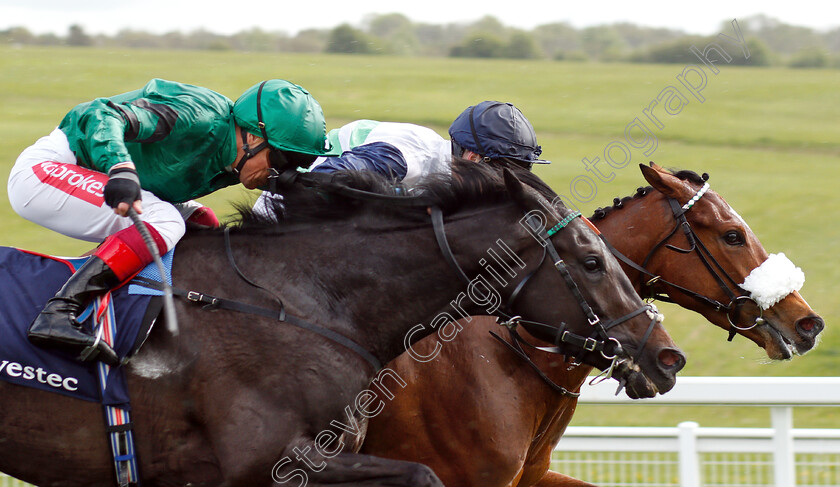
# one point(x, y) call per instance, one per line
point(168, 301)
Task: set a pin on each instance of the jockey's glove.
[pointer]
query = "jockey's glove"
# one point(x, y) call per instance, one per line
point(123, 187)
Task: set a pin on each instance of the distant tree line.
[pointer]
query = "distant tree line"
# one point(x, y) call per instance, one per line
point(770, 41)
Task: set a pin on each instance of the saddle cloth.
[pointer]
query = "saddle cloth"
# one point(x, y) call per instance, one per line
point(27, 281)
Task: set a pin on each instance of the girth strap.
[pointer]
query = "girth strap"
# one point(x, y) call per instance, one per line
point(117, 417)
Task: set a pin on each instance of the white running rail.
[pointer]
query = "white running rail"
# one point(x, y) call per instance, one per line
point(782, 441)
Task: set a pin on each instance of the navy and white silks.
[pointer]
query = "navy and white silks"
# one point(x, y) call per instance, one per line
point(402, 152)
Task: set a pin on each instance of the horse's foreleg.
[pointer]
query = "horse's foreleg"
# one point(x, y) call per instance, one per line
point(366, 470)
point(554, 479)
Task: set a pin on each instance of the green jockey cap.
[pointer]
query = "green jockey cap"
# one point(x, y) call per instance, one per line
point(285, 115)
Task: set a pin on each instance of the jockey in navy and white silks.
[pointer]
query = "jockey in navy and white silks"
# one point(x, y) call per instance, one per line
point(407, 153)
point(403, 151)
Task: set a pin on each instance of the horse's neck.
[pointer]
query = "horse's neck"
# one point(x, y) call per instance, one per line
point(372, 286)
point(552, 410)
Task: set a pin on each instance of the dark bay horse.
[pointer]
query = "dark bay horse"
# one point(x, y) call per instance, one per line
point(510, 419)
point(239, 399)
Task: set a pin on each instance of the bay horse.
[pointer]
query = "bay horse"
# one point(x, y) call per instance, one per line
point(509, 419)
point(241, 399)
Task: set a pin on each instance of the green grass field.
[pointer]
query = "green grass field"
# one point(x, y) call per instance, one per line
point(770, 138)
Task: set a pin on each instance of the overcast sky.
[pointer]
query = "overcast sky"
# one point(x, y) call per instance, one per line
point(159, 16)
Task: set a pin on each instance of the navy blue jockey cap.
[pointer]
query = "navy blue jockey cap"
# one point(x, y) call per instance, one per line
point(496, 130)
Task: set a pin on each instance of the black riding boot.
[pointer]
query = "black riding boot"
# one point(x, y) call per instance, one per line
point(56, 326)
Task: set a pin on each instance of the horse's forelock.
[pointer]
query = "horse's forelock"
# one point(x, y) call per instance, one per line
point(691, 176)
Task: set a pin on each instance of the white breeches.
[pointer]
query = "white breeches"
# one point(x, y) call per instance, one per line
point(47, 187)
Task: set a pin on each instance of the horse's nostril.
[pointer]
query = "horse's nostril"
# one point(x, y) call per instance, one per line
point(810, 326)
point(671, 358)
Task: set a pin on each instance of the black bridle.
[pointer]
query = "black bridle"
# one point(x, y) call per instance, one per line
point(599, 341)
point(736, 294)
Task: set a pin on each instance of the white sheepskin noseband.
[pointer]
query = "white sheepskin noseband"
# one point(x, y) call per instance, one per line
point(774, 279)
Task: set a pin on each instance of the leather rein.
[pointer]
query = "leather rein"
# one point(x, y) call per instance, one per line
point(277, 179)
point(609, 347)
point(711, 264)
point(209, 302)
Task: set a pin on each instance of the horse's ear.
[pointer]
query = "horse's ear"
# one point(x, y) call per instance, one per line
point(663, 181)
point(656, 166)
point(526, 197)
point(514, 186)
point(649, 172)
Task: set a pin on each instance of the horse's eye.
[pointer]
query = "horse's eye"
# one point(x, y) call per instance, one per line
point(733, 238)
point(592, 264)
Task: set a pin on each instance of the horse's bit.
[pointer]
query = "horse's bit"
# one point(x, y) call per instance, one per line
point(709, 262)
point(600, 342)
